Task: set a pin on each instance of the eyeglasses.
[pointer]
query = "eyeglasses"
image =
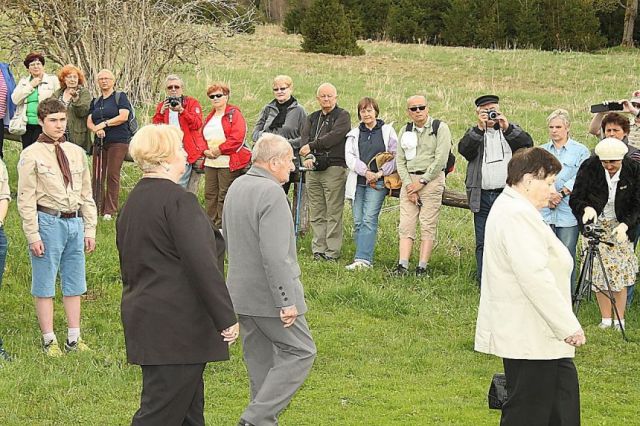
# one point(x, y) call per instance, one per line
point(216, 95)
point(279, 89)
point(35, 64)
point(417, 108)
point(635, 104)
point(173, 87)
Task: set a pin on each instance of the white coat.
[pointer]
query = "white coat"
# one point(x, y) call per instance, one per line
point(525, 302)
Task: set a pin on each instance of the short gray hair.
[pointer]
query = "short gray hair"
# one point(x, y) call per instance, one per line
point(173, 77)
point(270, 146)
point(412, 97)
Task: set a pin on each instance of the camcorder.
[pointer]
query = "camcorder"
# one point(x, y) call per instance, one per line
point(174, 101)
point(606, 107)
point(593, 230)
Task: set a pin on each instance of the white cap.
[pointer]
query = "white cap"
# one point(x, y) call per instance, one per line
point(611, 149)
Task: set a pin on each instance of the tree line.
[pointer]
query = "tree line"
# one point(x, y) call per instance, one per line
point(583, 25)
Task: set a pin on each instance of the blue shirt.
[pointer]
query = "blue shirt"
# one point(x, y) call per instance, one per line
point(571, 155)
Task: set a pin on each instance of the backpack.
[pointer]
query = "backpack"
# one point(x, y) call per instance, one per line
point(451, 160)
point(132, 121)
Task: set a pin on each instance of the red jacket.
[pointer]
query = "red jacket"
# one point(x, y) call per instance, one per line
point(190, 124)
point(235, 129)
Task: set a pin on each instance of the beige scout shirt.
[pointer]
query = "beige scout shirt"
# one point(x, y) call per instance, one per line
point(40, 182)
point(5, 192)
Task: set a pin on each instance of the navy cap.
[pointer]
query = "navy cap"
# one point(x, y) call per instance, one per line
point(487, 99)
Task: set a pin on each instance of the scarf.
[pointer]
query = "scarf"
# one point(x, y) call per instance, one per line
point(63, 161)
point(278, 120)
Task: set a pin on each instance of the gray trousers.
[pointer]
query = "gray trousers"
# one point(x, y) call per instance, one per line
point(325, 192)
point(278, 360)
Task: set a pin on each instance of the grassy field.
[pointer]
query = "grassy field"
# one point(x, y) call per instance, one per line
point(390, 351)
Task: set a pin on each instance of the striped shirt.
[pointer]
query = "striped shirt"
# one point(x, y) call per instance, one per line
point(3, 96)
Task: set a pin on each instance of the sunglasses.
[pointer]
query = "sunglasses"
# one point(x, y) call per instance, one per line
point(279, 89)
point(173, 87)
point(417, 108)
point(216, 95)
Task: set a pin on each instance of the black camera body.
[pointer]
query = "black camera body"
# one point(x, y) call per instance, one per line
point(492, 114)
point(174, 101)
point(606, 107)
point(593, 230)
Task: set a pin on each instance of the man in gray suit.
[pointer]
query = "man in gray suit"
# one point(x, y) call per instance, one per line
point(264, 282)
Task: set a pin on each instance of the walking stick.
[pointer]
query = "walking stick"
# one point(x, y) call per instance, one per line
point(298, 202)
point(98, 179)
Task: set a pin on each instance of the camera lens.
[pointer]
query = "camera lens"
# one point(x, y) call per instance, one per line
point(492, 115)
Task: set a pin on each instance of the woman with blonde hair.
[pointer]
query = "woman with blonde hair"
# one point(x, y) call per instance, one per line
point(282, 116)
point(75, 96)
point(571, 155)
point(171, 260)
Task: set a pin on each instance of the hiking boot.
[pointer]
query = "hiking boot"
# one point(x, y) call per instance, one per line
point(4, 355)
point(78, 346)
point(52, 349)
point(399, 271)
point(422, 272)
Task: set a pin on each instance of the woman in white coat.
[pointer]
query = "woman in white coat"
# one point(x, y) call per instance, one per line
point(365, 182)
point(525, 312)
point(30, 91)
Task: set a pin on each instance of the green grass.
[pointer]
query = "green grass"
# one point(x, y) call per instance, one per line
point(390, 351)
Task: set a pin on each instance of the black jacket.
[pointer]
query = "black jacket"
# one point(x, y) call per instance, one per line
point(327, 133)
point(174, 298)
point(591, 190)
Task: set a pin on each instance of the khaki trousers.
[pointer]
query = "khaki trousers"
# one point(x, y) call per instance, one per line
point(431, 197)
point(216, 184)
point(325, 191)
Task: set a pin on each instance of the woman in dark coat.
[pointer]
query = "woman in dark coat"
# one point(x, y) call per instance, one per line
point(607, 192)
point(176, 311)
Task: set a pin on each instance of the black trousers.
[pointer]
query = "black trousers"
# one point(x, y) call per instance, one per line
point(172, 395)
point(32, 133)
point(541, 392)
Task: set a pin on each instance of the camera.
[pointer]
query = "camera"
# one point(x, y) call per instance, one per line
point(606, 107)
point(593, 230)
point(174, 101)
point(493, 114)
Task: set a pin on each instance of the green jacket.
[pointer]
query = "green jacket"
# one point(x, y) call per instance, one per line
point(77, 113)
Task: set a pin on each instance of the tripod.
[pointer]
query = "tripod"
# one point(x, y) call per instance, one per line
point(585, 281)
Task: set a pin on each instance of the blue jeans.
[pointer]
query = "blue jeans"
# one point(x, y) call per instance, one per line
point(487, 198)
point(366, 209)
point(184, 179)
point(569, 237)
point(63, 241)
point(3, 255)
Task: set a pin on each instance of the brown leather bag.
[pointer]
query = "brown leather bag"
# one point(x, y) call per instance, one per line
point(392, 182)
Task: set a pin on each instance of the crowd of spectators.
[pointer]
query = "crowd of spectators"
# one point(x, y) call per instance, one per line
point(539, 198)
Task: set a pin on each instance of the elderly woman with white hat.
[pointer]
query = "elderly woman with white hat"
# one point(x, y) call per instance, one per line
point(607, 192)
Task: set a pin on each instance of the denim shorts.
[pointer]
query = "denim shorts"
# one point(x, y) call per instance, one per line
point(63, 241)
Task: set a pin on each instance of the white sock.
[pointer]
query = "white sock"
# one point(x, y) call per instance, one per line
point(73, 335)
point(606, 321)
point(49, 337)
point(616, 322)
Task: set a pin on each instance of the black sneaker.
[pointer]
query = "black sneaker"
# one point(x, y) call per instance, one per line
point(422, 272)
point(319, 256)
point(399, 271)
point(4, 355)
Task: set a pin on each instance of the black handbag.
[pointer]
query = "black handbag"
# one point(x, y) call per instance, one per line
point(322, 161)
point(497, 391)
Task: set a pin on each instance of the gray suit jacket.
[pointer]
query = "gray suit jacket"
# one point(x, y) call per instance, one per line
point(263, 274)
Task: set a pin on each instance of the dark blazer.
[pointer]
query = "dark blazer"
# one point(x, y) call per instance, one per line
point(174, 298)
point(591, 190)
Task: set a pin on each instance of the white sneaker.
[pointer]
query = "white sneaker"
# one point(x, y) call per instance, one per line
point(107, 217)
point(617, 326)
point(603, 325)
point(358, 264)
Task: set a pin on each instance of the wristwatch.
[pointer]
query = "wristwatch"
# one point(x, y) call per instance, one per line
point(423, 181)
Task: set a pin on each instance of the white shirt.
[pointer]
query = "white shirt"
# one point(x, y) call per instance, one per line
point(214, 135)
point(173, 118)
point(609, 211)
point(497, 154)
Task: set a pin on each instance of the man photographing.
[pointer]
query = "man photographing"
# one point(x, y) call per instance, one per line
point(185, 113)
point(488, 146)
